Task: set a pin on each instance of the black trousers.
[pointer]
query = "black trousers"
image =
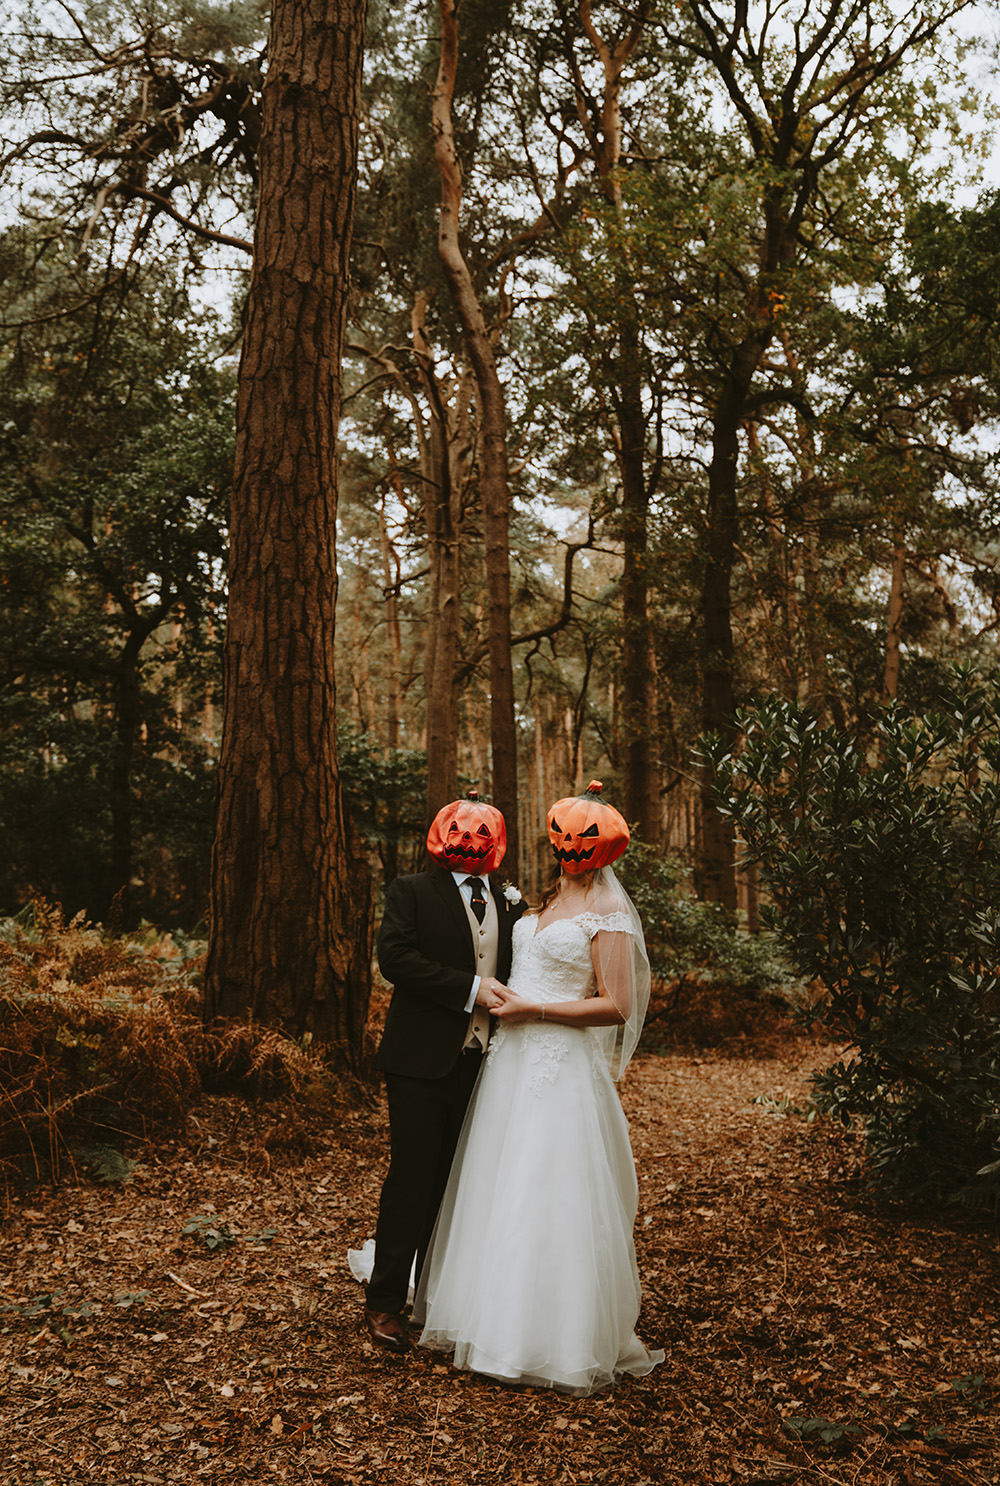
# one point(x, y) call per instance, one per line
point(425, 1119)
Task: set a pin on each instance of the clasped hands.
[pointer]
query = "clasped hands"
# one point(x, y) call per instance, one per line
point(502, 1002)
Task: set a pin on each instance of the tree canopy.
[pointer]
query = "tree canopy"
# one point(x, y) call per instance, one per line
point(734, 271)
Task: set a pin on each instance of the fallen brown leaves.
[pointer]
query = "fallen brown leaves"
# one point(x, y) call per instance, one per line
point(811, 1336)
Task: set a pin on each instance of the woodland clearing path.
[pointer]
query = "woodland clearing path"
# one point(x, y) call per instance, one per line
point(811, 1335)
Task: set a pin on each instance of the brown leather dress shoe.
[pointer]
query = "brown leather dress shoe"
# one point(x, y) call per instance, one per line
point(388, 1329)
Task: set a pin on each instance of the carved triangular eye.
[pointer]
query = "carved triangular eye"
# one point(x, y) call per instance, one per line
point(556, 826)
point(593, 830)
point(453, 827)
point(484, 830)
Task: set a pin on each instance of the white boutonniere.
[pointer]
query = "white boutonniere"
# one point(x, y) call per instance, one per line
point(511, 893)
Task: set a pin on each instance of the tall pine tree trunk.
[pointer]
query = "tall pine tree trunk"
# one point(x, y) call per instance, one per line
point(291, 916)
point(639, 730)
point(494, 477)
point(640, 765)
point(442, 515)
point(444, 449)
point(716, 875)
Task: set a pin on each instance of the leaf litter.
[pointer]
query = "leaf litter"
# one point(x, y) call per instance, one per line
point(201, 1324)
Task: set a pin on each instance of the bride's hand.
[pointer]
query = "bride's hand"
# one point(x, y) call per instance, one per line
point(513, 1008)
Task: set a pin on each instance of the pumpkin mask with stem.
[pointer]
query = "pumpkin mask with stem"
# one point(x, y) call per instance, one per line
point(468, 836)
point(585, 832)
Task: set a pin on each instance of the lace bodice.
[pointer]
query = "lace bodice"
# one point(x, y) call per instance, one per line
point(553, 962)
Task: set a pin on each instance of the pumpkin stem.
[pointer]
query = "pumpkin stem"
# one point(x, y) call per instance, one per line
point(472, 794)
point(594, 787)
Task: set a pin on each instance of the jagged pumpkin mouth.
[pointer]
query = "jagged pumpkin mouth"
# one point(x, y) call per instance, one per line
point(570, 854)
point(467, 853)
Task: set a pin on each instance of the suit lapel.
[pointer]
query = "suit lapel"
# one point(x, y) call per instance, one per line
point(448, 889)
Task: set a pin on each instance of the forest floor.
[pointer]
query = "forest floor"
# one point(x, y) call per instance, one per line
point(811, 1335)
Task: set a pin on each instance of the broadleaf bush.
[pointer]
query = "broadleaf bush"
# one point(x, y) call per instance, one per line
point(880, 855)
point(712, 981)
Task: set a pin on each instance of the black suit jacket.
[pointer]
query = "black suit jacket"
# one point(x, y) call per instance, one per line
point(427, 954)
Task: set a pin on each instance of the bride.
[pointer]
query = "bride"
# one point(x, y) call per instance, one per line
point(531, 1275)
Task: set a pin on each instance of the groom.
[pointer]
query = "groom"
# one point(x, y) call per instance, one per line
point(445, 947)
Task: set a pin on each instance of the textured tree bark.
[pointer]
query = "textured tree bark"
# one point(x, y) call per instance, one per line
point(291, 898)
point(494, 476)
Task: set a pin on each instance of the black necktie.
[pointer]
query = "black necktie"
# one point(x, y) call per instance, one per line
point(478, 897)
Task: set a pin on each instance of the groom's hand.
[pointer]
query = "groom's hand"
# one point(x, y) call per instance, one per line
point(491, 992)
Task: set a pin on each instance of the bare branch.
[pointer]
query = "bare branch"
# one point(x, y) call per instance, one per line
point(165, 206)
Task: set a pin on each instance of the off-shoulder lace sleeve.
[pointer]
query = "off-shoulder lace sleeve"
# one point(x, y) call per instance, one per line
point(612, 923)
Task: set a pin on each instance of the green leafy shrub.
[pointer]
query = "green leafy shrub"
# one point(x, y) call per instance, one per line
point(712, 981)
point(881, 857)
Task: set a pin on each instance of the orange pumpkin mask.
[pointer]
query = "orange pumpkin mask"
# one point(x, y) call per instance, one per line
point(585, 832)
point(468, 836)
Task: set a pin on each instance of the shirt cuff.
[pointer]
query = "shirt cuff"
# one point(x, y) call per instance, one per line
point(476, 979)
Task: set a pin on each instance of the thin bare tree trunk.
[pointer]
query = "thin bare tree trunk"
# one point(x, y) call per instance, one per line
point(443, 447)
point(442, 456)
point(128, 716)
point(716, 878)
point(391, 576)
point(291, 898)
point(716, 875)
point(494, 476)
point(639, 730)
point(890, 683)
point(640, 765)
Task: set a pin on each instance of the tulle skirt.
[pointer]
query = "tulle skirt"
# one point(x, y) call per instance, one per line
point(531, 1275)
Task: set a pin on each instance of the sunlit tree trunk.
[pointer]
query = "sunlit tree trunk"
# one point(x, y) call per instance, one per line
point(291, 917)
point(638, 729)
point(443, 455)
point(493, 469)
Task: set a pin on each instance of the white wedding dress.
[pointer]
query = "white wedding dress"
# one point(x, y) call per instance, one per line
point(531, 1275)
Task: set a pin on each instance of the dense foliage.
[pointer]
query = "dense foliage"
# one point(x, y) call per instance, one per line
point(881, 854)
point(115, 465)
